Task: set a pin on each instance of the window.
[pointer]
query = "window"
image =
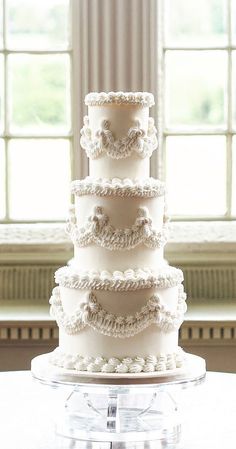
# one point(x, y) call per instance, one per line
point(198, 108)
point(35, 110)
point(106, 52)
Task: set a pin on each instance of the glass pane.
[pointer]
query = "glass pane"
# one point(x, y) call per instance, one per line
point(1, 93)
point(234, 178)
point(2, 180)
point(233, 15)
point(195, 23)
point(234, 88)
point(196, 175)
point(1, 23)
point(40, 179)
point(39, 93)
point(37, 25)
point(196, 88)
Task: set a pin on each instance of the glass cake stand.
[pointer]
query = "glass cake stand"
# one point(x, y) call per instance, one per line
point(119, 409)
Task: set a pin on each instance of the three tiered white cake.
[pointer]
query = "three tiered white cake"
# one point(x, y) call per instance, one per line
point(118, 305)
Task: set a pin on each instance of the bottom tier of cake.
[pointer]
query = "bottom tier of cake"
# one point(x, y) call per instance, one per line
point(122, 322)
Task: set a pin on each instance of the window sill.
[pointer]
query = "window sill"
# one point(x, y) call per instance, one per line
point(212, 323)
point(25, 311)
point(30, 255)
point(188, 241)
point(202, 242)
point(34, 242)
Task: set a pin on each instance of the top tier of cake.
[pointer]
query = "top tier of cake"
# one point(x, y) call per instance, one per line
point(118, 135)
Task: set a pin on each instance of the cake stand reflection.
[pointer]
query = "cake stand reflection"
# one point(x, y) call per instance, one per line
point(124, 408)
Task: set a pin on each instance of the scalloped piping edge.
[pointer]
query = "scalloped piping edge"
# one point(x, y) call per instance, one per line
point(98, 230)
point(103, 142)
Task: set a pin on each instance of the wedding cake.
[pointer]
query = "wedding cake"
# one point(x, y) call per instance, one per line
point(118, 304)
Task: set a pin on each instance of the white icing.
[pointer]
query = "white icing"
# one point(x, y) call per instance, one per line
point(134, 98)
point(118, 187)
point(100, 360)
point(140, 360)
point(135, 368)
point(161, 366)
point(94, 368)
point(64, 360)
point(108, 368)
point(127, 361)
point(79, 366)
point(103, 143)
point(132, 167)
point(119, 280)
point(91, 313)
point(99, 231)
point(148, 368)
point(98, 258)
point(122, 368)
point(151, 359)
point(121, 117)
point(122, 213)
point(113, 361)
point(97, 308)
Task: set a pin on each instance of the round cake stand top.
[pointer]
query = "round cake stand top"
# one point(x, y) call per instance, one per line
point(191, 374)
point(120, 407)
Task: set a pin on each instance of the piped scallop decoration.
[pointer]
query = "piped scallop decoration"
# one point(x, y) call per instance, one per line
point(103, 141)
point(98, 230)
point(91, 313)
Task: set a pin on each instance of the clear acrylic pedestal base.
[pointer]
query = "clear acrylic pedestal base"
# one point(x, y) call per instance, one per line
point(123, 409)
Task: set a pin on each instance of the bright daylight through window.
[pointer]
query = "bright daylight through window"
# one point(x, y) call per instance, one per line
point(199, 107)
point(35, 113)
point(197, 112)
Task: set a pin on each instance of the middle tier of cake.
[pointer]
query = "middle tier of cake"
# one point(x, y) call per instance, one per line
point(118, 224)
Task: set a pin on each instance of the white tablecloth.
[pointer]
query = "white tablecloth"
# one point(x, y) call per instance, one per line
point(27, 411)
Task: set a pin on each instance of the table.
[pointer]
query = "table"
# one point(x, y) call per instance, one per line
point(27, 411)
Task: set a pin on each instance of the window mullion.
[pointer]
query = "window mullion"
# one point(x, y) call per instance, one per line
point(160, 157)
point(227, 131)
point(196, 132)
point(74, 74)
point(229, 115)
point(4, 24)
point(198, 48)
point(8, 135)
point(7, 178)
point(5, 120)
point(37, 136)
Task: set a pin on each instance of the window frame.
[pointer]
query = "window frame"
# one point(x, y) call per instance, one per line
point(164, 132)
point(198, 247)
point(28, 233)
point(71, 136)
